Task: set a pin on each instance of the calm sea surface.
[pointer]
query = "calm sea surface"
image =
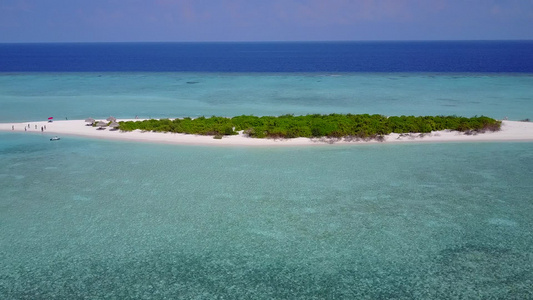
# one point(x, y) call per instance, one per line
point(84, 218)
point(438, 56)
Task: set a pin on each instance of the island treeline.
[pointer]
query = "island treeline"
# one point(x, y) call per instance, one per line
point(362, 126)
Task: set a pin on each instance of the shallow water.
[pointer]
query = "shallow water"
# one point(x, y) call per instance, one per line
point(88, 218)
point(37, 96)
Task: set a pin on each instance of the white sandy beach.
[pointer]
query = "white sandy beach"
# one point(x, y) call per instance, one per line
point(511, 131)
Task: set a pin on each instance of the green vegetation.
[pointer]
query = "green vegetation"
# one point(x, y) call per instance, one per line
point(313, 126)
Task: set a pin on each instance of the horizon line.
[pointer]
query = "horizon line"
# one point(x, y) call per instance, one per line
point(268, 41)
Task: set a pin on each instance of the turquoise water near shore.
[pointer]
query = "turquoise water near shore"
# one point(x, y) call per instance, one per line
point(84, 218)
point(37, 96)
point(87, 218)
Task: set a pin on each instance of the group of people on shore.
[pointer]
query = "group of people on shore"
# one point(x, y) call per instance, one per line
point(26, 128)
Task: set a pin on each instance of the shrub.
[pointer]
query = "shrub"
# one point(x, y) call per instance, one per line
point(334, 126)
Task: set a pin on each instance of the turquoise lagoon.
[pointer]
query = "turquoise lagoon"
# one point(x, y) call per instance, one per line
point(37, 96)
point(84, 218)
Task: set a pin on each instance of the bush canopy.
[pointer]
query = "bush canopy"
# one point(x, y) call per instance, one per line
point(315, 126)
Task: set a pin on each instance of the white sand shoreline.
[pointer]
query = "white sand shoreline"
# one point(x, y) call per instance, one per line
point(511, 131)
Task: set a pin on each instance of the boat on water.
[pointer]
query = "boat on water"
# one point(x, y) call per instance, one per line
point(55, 138)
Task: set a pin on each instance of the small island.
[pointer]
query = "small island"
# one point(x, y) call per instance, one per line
point(336, 126)
point(286, 130)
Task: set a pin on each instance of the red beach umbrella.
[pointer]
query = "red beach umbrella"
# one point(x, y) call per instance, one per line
point(50, 118)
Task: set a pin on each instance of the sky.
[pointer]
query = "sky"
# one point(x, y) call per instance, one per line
point(263, 20)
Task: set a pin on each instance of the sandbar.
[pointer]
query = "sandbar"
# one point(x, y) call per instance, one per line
point(510, 131)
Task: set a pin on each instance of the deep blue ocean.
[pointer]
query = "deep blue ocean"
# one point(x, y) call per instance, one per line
point(418, 56)
point(84, 218)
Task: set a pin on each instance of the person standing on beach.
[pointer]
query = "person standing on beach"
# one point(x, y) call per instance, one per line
point(12, 127)
point(42, 129)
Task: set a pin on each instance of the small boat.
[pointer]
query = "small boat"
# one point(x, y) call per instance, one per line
point(55, 138)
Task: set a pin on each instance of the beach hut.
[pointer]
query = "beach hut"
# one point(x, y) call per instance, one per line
point(114, 125)
point(101, 125)
point(90, 121)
